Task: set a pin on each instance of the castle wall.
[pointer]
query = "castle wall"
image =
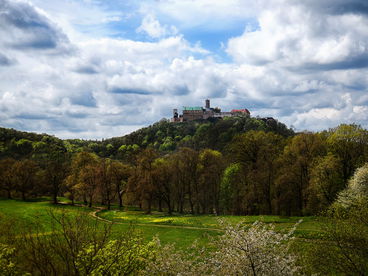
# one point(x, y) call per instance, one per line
point(190, 115)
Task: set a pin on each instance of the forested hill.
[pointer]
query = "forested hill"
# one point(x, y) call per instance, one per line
point(163, 136)
point(20, 144)
point(230, 166)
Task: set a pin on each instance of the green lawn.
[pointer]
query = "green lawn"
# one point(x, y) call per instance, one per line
point(310, 227)
point(179, 229)
point(33, 210)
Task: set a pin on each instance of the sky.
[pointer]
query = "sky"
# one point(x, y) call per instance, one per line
point(96, 69)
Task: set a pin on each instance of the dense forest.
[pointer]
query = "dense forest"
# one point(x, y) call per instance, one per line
point(239, 166)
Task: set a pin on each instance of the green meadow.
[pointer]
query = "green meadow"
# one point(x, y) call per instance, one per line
point(182, 230)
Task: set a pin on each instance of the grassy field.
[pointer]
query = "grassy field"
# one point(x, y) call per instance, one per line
point(179, 229)
point(309, 227)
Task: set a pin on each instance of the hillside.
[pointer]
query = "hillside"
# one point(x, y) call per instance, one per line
point(20, 144)
point(163, 136)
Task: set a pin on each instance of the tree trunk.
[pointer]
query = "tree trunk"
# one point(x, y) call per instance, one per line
point(54, 196)
point(120, 196)
point(55, 190)
point(181, 207)
point(169, 208)
point(160, 205)
point(149, 201)
point(168, 203)
point(90, 202)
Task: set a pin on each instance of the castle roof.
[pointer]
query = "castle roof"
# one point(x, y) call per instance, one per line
point(192, 108)
point(240, 111)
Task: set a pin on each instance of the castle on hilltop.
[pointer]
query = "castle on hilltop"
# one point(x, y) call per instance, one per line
point(197, 113)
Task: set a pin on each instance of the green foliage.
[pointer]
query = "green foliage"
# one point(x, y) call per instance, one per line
point(294, 175)
point(357, 190)
point(8, 266)
point(76, 245)
point(231, 189)
point(350, 144)
point(215, 134)
point(17, 144)
point(325, 183)
point(117, 257)
point(346, 232)
point(276, 172)
point(167, 145)
point(345, 250)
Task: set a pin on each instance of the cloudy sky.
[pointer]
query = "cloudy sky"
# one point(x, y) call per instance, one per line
point(102, 68)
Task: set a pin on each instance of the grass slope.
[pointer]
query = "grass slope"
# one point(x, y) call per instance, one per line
point(179, 229)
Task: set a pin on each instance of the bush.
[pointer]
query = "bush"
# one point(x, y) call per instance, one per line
point(76, 245)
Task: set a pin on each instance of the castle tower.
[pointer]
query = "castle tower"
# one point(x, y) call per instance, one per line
point(175, 113)
point(208, 103)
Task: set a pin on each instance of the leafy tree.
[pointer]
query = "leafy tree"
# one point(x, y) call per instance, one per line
point(8, 265)
point(120, 174)
point(257, 153)
point(254, 250)
point(7, 182)
point(326, 182)
point(142, 182)
point(292, 184)
point(57, 168)
point(344, 250)
point(257, 250)
point(210, 169)
point(23, 147)
point(350, 144)
point(71, 188)
point(186, 174)
point(202, 135)
point(82, 179)
point(126, 256)
point(89, 181)
point(109, 149)
point(232, 190)
point(129, 152)
point(80, 246)
point(162, 177)
point(357, 190)
point(25, 176)
point(167, 145)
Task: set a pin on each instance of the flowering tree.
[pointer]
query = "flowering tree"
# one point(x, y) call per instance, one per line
point(357, 189)
point(241, 250)
point(257, 250)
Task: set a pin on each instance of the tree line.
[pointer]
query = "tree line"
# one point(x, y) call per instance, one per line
point(79, 245)
point(257, 172)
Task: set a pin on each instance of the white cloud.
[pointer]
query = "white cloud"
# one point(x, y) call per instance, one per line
point(152, 27)
point(207, 14)
point(300, 38)
point(307, 67)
